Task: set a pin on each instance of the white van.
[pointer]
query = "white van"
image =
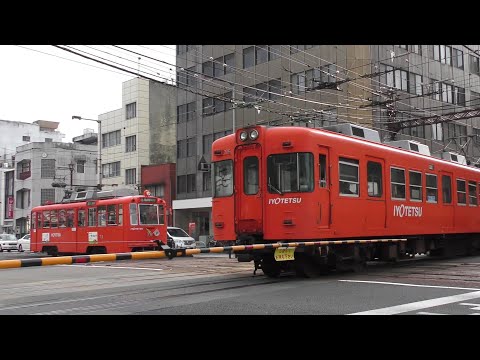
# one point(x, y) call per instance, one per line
point(178, 238)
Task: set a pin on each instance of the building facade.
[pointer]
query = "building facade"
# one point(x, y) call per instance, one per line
point(225, 87)
point(142, 132)
point(16, 133)
point(7, 200)
point(44, 171)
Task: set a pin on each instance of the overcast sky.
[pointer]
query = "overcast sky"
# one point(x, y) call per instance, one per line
point(37, 86)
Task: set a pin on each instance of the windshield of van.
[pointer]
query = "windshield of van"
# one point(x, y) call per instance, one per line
point(178, 233)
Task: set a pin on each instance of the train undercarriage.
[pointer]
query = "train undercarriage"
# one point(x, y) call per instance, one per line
point(312, 261)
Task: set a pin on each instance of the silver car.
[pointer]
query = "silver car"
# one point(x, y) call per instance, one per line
point(8, 242)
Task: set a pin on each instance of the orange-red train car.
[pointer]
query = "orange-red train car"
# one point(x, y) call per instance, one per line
point(103, 224)
point(284, 184)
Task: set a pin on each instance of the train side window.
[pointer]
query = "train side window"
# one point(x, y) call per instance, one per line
point(161, 215)
point(62, 218)
point(349, 178)
point(323, 171)
point(70, 217)
point(374, 179)
point(397, 179)
point(46, 219)
point(120, 214)
point(53, 219)
point(447, 189)
point(112, 214)
point(39, 220)
point(250, 175)
point(92, 217)
point(81, 218)
point(415, 178)
point(102, 215)
point(432, 189)
point(461, 192)
point(472, 193)
point(133, 214)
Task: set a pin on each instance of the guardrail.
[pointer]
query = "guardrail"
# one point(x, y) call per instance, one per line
point(170, 253)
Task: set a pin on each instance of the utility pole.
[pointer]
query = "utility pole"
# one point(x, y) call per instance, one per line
point(233, 109)
point(99, 141)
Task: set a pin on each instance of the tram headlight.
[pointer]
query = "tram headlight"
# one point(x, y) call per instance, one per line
point(253, 135)
point(243, 135)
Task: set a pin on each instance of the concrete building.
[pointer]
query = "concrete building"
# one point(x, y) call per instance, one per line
point(142, 132)
point(45, 170)
point(221, 87)
point(6, 198)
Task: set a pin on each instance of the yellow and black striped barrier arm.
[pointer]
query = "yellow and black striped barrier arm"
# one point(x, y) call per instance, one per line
point(171, 253)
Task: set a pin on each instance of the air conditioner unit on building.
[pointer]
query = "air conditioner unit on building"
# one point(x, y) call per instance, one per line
point(5, 165)
point(204, 167)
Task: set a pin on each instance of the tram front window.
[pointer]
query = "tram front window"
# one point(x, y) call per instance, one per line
point(223, 178)
point(149, 214)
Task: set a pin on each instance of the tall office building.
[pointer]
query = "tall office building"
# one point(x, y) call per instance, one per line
point(400, 90)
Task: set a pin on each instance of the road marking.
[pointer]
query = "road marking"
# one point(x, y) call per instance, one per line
point(403, 284)
point(391, 310)
point(475, 306)
point(113, 267)
point(428, 313)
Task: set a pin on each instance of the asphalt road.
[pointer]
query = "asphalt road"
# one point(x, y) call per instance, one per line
point(214, 284)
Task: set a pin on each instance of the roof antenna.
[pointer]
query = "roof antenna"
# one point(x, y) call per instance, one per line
point(139, 66)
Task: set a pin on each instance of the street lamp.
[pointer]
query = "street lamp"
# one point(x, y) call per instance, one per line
point(76, 117)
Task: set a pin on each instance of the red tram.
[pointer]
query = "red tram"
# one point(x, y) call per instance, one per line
point(102, 224)
point(284, 184)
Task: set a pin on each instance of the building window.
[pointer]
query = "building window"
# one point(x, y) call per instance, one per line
point(111, 139)
point(111, 169)
point(131, 143)
point(23, 199)
point(131, 110)
point(416, 84)
point(207, 143)
point(442, 53)
point(191, 146)
point(181, 184)
point(229, 60)
point(417, 49)
point(261, 54)
point(48, 169)
point(81, 167)
point(474, 98)
point(26, 138)
point(474, 64)
point(48, 140)
point(401, 80)
point(248, 57)
point(191, 186)
point(186, 112)
point(47, 195)
point(207, 181)
point(156, 190)
point(23, 169)
point(130, 176)
point(181, 149)
point(457, 58)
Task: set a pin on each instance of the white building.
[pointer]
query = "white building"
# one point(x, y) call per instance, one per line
point(142, 132)
point(16, 133)
point(6, 198)
point(39, 165)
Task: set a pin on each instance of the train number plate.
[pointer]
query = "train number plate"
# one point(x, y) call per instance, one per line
point(284, 254)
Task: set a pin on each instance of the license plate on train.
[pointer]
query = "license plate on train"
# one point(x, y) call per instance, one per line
point(284, 254)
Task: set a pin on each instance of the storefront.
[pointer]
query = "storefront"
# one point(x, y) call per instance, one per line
point(194, 216)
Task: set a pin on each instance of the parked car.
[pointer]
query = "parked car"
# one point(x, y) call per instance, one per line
point(24, 243)
point(178, 238)
point(8, 242)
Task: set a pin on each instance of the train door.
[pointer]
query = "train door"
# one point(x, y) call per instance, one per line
point(33, 231)
point(248, 194)
point(447, 218)
point(375, 212)
point(323, 215)
point(81, 230)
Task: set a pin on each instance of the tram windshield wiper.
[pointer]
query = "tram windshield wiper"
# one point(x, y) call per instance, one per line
point(274, 188)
